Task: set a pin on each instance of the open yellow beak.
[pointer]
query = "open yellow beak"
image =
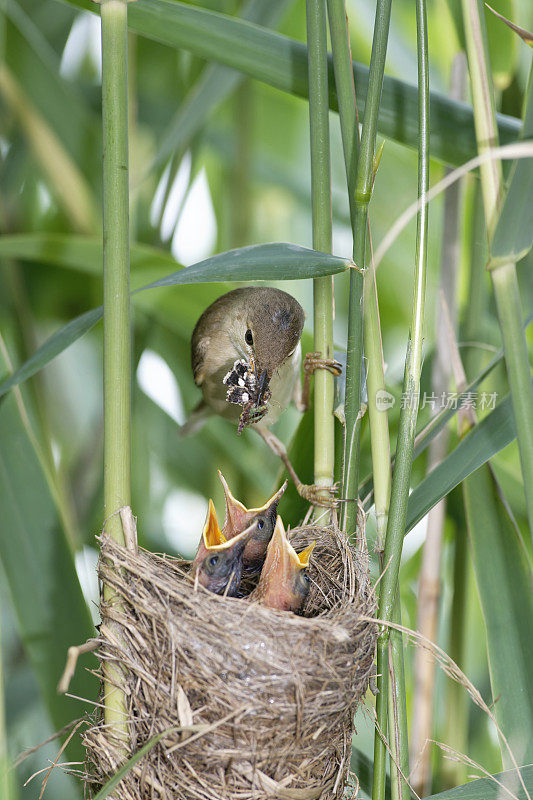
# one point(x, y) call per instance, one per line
point(238, 517)
point(235, 511)
point(212, 535)
point(305, 555)
point(282, 553)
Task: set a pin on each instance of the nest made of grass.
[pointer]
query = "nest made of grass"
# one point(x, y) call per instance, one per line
point(266, 698)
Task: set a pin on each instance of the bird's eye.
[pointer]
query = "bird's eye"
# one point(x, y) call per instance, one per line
point(248, 338)
point(213, 561)
point(260, 523)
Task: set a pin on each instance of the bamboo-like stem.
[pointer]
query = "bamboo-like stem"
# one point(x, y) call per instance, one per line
point(360, 175)
point(377, 411)
point(117, 366)
point(397, 709)
point(322, 225)
point(408, 413)
point(429, 579)
point(504, 279)
point(132, 132)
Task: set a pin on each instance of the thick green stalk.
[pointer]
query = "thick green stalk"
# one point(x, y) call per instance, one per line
point(117, 366)
point(504, 279)
point(377, 409)
point(360, 174)
point(321, 209)
point(408, 413)
point(344, 83)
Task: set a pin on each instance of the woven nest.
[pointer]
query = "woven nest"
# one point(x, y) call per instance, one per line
point(267, 698)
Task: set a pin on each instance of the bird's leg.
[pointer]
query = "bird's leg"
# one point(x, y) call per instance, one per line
point(312, 362)
point(313, 493)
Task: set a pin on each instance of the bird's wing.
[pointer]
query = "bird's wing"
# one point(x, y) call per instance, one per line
point(199, 352)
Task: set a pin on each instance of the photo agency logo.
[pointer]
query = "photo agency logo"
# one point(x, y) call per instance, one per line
point(384, 400)
point(483, 401)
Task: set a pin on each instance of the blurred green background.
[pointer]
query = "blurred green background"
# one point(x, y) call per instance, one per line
point(243, 177)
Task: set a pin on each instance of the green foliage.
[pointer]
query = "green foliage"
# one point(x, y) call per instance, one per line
point(503, 577)
point(491, 788)
point(190, 65)
point(282, 62)
point(39, 568)
point(491, 435)
point(513, 236)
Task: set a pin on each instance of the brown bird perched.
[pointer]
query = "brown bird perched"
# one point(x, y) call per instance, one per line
point(246, 358)
point(284, 582)
point(217, 565)
point(263, 519)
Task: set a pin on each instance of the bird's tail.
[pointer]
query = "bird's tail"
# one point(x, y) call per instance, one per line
point(198, 416)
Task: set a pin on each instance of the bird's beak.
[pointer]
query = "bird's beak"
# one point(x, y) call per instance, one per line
point(212, 536)
point(271, 505)
point(282, 558)
point(262, 386)
point(236, 513)
point(305, 555)
point(238, 517)
point(278, 585)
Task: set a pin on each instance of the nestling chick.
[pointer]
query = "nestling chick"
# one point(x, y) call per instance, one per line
point(284, 582)
point(218, 563)
point(246, 358)
point(263, 520)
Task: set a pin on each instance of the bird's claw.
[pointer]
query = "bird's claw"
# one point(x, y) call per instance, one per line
point(323, 496)
point(314, 361)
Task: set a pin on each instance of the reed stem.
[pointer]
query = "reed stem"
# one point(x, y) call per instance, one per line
point(360, 175)
point(322, 232)
point(117, 366)
point(408, 415)
point(504, 279)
